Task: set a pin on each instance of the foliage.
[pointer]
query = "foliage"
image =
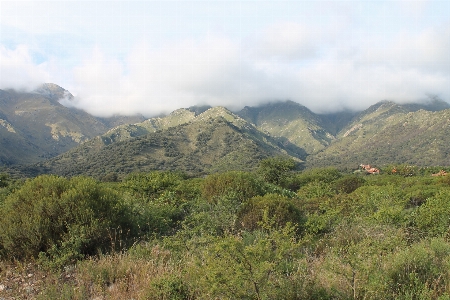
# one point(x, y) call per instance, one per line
point(151, 184)
point(62, 218)
point(162, 235)
point(212, 218)
point(243, 185)
point(416, 272)
point(280, 210)
point(276, 169)
point(258, 265)
point(4, 180)
point(110, 177)
point(433, 216)
point(349, 183)
point(8, 185)
point(325, 175)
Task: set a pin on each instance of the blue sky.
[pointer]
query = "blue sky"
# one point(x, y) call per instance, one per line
point(152, 57)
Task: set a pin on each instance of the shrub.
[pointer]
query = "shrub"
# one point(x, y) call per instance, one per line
point(61, 218)
point(255, 265)
point(159, 216)
point(433, 216)
point(277, 208)
point(420, 271)
point(348, 184)
point(4, 179)
point(326, 175)
point(212, 218)
point(151, 184)
point(276, 169)
point(243, 185)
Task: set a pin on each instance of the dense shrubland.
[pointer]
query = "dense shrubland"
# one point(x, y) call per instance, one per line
point(275, 233)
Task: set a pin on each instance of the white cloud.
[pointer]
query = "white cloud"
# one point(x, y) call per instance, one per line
point(156, 80)
point(18, 71)
point(326, 56)
point(215, 70)
point(286, 41)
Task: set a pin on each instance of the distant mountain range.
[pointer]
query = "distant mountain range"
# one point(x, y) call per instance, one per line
point(34, 126)
point(39, 135)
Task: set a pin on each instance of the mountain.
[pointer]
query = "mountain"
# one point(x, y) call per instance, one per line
point(35, 126)
point(43, 136)
point(295, 122)
point(215, 140)
point(387, 133)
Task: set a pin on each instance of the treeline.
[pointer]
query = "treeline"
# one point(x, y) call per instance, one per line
point(275, 233)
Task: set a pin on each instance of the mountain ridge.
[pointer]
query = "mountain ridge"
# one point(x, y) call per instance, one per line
point(385, 132)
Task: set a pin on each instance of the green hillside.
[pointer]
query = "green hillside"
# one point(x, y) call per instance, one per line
point(214, 141)
point(389, 133)
point(292, 121)
point(34, 126)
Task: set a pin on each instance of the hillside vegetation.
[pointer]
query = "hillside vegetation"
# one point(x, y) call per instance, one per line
point(388, 133)
point(272, 233)
point(35, 126)
point(213, 141)
point(39, 135)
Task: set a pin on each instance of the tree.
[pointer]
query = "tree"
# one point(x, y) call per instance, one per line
point(276, 169)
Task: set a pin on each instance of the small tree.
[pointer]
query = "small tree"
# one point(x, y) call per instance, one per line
point(276, 169)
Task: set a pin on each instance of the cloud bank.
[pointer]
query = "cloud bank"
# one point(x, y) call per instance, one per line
point(344, 61)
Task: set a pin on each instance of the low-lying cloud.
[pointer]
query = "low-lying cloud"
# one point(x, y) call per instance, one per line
point(284, 61)
point(18, 71)
point(217, 70)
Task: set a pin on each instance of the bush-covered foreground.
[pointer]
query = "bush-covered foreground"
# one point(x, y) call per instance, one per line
point(271, 234)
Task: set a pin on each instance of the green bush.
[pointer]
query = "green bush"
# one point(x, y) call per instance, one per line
point(278, 209)
point(4, 180)
point(255, 265)
point(169, 287)
point(159, 216)
point(212, 218)
point(419, 271)
point(276, 170)
point(242, 185)
point(152, 184)
point(61, 218)
point(433, 216)
point(348, 184)
point(326, 175)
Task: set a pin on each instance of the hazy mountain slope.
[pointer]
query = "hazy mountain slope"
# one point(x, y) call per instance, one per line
point(127, 131)
point(35, 126)
point(118, 120)
point(390, 133)
point(207, 144)
point(39, 126)
point(292, 121)
point(335, 122)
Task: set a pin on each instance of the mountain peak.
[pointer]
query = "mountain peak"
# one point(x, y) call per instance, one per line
point(53, 92)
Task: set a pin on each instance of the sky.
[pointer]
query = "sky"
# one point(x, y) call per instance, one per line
point(152, 57)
